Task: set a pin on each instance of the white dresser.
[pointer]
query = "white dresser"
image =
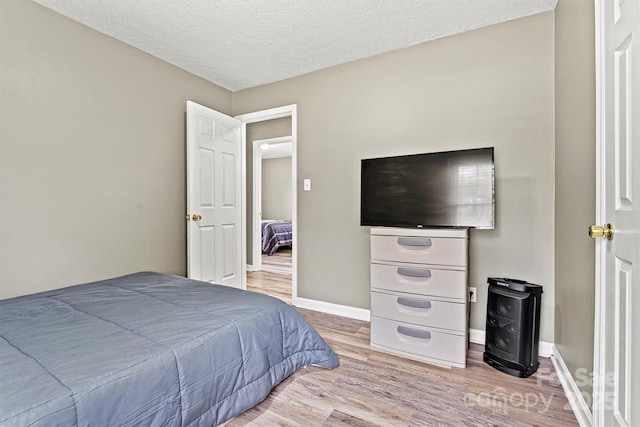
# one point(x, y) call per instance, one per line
point(419, 293)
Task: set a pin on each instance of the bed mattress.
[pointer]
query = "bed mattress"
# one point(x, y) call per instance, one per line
point(147, 349)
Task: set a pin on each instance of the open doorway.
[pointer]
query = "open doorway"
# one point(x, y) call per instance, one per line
point(275, 128)
point(272, 215)
point(272, 190)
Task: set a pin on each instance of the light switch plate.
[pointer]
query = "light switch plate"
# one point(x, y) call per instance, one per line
point(307, 184)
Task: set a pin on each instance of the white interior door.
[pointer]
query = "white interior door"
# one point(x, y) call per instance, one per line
point(214, 173)
point(617, 335)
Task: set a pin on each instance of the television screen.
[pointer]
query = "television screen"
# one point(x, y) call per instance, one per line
point(445, 189)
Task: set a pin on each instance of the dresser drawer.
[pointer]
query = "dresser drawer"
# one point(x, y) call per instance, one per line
point(419, 279)
point(419, 340)
point(419, 310)
point(419, 249)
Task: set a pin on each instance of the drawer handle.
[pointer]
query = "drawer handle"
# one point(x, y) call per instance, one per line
point(415, 303)
point(414, 241)
point(415, 333)
point(414, 272)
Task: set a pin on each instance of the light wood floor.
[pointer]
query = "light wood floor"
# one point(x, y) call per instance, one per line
point(371, 388)
point(275, 277)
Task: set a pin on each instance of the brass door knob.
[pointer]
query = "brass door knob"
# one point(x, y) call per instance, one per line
point(196, 217)
point(606, 232)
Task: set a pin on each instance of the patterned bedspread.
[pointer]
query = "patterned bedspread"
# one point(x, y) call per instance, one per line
point(275, 234)
point(147, 349)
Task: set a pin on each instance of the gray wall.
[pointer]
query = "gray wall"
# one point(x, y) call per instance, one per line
point(256, 131)
point(92, 153)
point(575, 185)
point(276, 188)
point(489, 87)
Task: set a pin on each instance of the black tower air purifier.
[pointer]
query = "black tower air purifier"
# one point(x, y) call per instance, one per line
point(513, 326)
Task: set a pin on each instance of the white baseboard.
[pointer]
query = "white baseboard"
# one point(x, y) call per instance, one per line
point(336, 309)
point(250, 267)
point(476, 336)
point(576, 400)
point(545, 349)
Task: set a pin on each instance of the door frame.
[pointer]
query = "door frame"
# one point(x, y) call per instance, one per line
point(261, 116)
point(257, 194)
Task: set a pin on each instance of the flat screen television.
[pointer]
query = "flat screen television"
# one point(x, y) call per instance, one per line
point(444, 189)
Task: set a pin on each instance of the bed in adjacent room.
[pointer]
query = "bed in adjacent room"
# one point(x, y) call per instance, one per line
point(275, 235)
point(147, 349)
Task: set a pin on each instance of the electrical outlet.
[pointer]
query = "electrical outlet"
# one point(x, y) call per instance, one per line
point(473, 294)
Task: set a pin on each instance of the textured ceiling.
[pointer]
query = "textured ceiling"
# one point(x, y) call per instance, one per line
point(239, 44)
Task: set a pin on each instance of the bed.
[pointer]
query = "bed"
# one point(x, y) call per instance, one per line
point(275, 235)
point(147, 349)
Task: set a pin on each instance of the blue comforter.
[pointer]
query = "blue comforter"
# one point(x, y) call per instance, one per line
point(147, 349)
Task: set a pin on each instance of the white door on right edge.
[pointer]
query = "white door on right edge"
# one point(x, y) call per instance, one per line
point(617, 382)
